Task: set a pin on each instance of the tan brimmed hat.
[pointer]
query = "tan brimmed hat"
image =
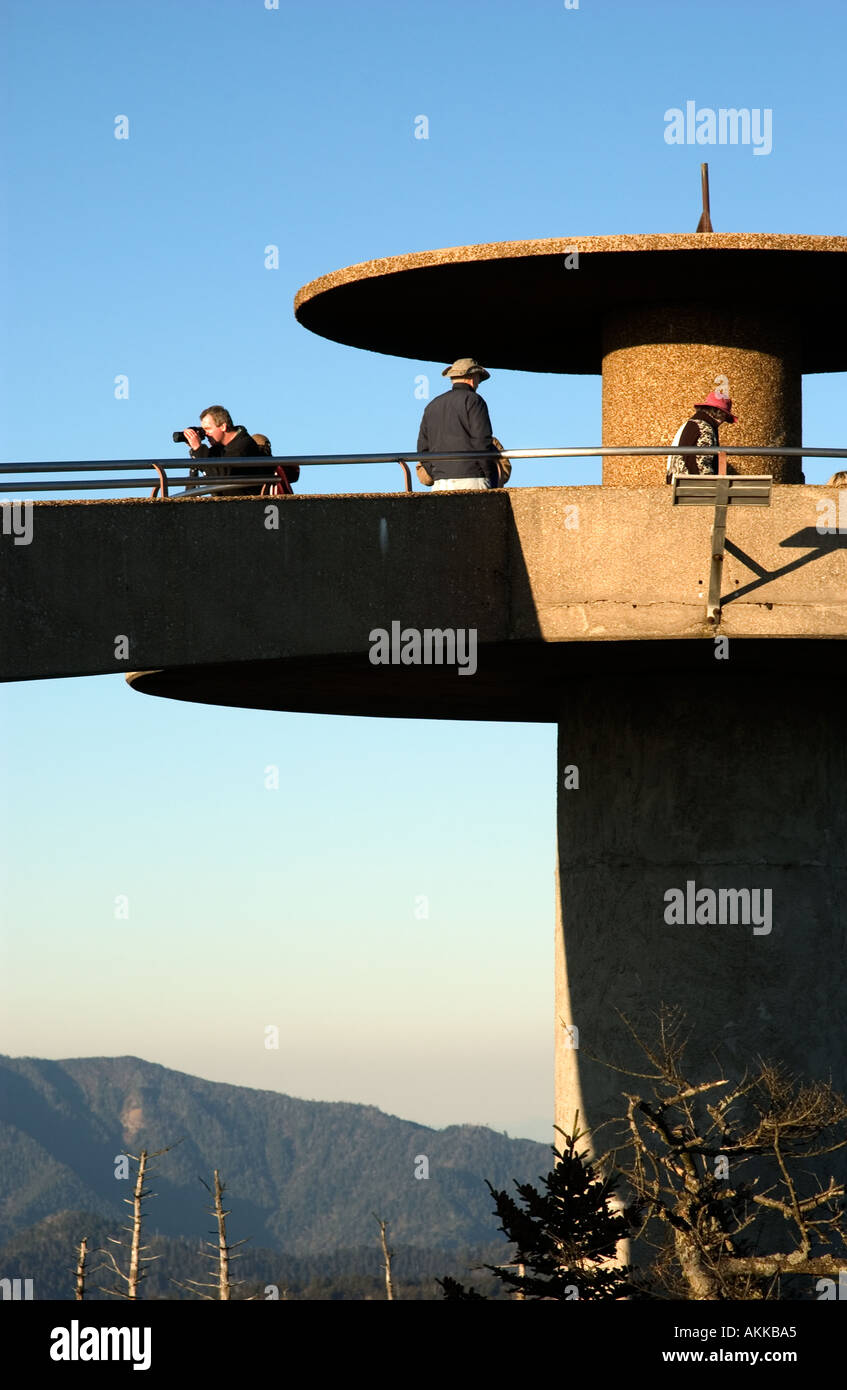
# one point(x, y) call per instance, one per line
point(466, 366)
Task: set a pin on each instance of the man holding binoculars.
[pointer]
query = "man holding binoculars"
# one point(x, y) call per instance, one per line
point(226, 441)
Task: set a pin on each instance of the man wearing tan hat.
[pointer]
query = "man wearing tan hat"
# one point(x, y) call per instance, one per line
point(458, 422)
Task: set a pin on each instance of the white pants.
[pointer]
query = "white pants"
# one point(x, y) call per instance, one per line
point(460, 485)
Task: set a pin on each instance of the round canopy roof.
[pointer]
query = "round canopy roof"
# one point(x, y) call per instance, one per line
point(515, 305)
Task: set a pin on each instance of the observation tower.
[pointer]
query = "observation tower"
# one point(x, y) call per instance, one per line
point(689, 753)
point(695, 757)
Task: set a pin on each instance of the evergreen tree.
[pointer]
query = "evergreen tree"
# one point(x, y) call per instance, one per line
point(566, 1235)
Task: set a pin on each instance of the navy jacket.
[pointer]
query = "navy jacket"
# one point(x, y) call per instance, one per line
point(458, 421)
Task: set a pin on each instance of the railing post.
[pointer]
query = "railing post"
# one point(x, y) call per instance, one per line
point(163, 481)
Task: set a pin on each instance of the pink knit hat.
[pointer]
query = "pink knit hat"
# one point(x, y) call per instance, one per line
point(721, 402)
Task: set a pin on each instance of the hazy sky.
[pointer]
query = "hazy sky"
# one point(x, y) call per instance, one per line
point(389, 908)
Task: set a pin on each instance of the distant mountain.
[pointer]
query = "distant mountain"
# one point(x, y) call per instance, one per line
point(303, 1177)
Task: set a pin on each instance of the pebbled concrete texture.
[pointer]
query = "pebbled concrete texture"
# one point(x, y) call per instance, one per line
point(659, 362)
point(664, 317)
point(517, 305)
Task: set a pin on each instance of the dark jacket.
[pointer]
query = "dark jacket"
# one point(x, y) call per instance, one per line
point(458, 421)
point(242, 446)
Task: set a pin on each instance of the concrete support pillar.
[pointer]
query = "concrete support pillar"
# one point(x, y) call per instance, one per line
point(658, 362)
point(718, 781)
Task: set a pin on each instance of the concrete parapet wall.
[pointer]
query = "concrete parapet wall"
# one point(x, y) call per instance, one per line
point(638, 567)
point(190, 583)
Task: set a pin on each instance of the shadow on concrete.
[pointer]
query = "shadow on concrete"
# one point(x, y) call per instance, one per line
point(809, 536)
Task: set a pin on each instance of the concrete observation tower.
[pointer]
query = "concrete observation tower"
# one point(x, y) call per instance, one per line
point(692, 756)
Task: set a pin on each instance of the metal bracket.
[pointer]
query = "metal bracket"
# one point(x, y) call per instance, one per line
point(719, 491)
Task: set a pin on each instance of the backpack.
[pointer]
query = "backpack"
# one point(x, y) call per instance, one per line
point(281, 487)
point(504, 465)
point(285, 477)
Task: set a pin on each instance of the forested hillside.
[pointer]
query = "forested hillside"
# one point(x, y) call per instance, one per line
point(303, 1177)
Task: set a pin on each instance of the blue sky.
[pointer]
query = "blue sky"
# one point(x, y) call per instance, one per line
point(145, 257)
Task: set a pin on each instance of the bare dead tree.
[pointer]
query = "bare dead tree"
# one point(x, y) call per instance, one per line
point(221, 1252)
point(79, 1290)
point(131, 1280)
point(386, 1255)
point(686, 1136)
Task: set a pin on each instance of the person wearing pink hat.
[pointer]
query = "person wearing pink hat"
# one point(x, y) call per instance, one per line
point(701, 428)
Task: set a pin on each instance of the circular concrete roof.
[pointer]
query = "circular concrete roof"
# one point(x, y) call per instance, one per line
point(526, 682)
point(514, 304)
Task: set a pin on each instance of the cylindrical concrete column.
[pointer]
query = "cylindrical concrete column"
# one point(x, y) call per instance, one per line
point(690, 783)
point(658, 362)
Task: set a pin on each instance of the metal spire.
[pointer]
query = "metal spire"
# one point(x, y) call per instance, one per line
point(705, 223)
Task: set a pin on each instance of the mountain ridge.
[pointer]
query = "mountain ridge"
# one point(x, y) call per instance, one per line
point(304, 1176)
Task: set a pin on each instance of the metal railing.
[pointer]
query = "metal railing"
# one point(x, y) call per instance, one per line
point(116, 469)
